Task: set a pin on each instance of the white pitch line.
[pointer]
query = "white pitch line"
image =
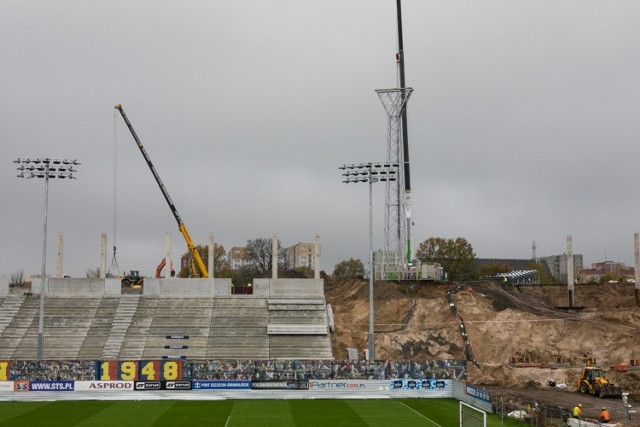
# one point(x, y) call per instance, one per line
point(426, 418)
point(228, 419)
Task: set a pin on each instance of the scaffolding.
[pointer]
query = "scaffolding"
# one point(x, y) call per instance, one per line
point(397, 206)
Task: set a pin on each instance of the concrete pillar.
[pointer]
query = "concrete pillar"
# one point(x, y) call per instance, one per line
point(212, 254)
point(316, 258)
point(570, 282)
point(103, 255)
point(636, 245)
point(167, 256)
point(59, 252)
point(274, 257)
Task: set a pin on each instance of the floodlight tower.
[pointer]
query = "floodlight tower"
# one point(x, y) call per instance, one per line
point(371, 173)
point(48, 169)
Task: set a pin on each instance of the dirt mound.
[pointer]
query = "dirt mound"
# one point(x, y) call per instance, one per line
point(416, 321)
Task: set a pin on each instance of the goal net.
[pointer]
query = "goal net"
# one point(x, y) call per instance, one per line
point(472, 417)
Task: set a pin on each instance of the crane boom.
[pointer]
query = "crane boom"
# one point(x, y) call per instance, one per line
point(183, 229)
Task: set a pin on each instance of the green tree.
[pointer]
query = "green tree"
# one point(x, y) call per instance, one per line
point(493, 268)
point(219, 260)
point(348, 268)
point(456, 256)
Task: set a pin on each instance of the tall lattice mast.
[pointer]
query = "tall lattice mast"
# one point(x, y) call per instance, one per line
point(394, 102)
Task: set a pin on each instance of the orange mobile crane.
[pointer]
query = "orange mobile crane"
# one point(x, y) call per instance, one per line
point(183, 229)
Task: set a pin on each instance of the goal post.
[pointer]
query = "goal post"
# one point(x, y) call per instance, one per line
point(471, 416)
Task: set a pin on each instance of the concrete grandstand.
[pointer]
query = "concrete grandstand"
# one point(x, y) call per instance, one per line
point(91, 319)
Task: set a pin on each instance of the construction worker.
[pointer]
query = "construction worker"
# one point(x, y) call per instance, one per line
point(577, 410)
point(604, 415)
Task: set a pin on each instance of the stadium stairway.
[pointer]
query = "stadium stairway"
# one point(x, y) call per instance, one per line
point(100, 329)
point(10, 334)
point(127, 306)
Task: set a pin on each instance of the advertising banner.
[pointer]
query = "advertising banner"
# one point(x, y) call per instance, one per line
point(162, 385)
point(478, 393)
point(51, 385)
point(104, 386)
point(147, 385)
point(410, 384)
point(176, 385)
point(334, 385)
point(6, 386)
point(221, 385)
point(280, 385)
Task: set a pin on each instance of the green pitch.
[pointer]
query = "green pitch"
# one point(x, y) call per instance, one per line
point(238, 413)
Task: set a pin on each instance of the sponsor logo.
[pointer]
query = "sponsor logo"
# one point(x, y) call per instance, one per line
point(110, 385)
point(220, 385)
point(280, 385)
point(177, 385)
point(51, 386)
point(335, 385)
point(177, 337)
point(411, 384)
point(21, 385)
point(147, 385)
point(174, 356)
point(176, 347)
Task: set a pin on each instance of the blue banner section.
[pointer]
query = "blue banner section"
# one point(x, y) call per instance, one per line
point(412, 384)
point(51, 386)
point(221, 385)
point(478, 393)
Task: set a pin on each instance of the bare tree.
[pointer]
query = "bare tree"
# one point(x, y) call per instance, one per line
point(16, 278)
point(260, 253)
point(93, 274)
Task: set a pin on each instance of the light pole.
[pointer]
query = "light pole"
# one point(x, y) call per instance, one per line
point(48, 169)
point(370, 172)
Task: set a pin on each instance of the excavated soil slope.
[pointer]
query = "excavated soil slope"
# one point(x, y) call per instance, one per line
point(415, 321)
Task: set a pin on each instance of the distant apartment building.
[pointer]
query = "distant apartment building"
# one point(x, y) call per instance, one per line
point(615, 270)
point(300, 255)
point(557, 265)
point(238, 257)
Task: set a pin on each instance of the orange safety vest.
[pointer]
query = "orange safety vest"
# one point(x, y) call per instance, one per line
point(604, 416)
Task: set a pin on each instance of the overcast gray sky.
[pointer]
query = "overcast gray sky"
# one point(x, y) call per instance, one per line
point(523, 124)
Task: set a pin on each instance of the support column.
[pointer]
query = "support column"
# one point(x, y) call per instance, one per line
point(212, 254)
point(570, 282)
point(636, 245)
point(316, 258)
point(103, 255)
point(59, 254)
point(274, 257)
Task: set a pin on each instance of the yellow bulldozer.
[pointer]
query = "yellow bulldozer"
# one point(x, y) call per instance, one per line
point(593, 381)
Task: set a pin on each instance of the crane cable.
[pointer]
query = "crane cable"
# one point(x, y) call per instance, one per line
point(114, 262)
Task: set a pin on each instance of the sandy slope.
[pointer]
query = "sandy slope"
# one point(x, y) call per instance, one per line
point(415, 321)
